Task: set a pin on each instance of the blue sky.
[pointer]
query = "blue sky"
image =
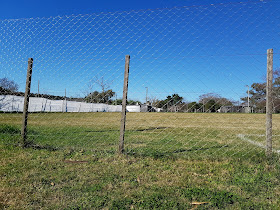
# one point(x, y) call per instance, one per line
point(14, 9)
point(189, 50)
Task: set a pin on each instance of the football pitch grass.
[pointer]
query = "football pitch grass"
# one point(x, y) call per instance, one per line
point(171, 160)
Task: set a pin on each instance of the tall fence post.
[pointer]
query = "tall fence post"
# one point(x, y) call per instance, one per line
point(269, 107)
point(124, 101)
point(26, 102)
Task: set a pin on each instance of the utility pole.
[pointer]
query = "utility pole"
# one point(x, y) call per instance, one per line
point(203, 106)
point(248, 96)
point(146, 95)
point(38, 88)
point(65, 101)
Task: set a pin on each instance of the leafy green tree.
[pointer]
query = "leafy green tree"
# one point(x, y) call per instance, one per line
point(132, 102)
point(170, 102)
point(100, 97)
point(211, 102)
point(117, 102)
point(257, 94)
point(194, 106)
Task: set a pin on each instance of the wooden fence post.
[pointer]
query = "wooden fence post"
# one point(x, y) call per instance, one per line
point(26, 102)
point(269, 107)
point(124, 101)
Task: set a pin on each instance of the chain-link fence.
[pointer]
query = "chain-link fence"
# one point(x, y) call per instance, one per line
point(196, 88)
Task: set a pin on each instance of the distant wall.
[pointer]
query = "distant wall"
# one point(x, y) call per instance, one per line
point(10, 103)
point(133, 108)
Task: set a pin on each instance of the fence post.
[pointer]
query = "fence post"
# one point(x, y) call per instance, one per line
point(269, 81)
point(26, 102)
point(124, 101)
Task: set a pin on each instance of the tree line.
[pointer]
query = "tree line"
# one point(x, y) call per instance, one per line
point(9, 87)
point(209, 102)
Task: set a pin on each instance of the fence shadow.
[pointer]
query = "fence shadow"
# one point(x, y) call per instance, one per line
point(167, 154)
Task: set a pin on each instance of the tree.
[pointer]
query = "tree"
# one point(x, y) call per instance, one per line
point(211, 102)
point(257, 94)
point(154, 101)
point(8, 85)
point(104, 96)
point(100, 97)
point(104, 84)
point(117, 102)
point(129, 102)
point(170, 103)
point(132, 102)
point(193, 107)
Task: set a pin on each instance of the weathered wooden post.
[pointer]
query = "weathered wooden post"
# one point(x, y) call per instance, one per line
point(26, 102)
point(269, 107)
point(124, 102)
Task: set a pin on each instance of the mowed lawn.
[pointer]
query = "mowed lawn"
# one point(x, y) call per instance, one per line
point(171, 160)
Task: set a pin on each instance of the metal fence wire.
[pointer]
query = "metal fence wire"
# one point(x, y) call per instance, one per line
point(186, 63)
point(197, 90)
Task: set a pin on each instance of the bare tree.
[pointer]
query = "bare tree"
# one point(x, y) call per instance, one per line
point(8, 85)
point(101, 82)
point(154, 101)
point(104, 96)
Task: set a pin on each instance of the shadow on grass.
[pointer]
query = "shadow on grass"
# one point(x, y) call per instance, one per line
point(166, 154)
point(15, 132)
point(144, 129)
point(199, 149)
point(31, 144)
point(149, 129)
point(9, 129)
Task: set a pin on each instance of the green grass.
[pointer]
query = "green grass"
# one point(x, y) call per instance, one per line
point(170, 161)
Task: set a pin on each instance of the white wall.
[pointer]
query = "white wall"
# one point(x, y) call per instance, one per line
point(9, 103)
point(133, 108)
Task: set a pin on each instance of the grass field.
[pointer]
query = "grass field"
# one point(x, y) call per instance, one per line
point(171, 160)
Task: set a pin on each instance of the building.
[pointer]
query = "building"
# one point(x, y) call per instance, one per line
point(233, 109)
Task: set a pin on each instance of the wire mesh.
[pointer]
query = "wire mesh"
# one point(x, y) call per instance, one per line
point(192, 72)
